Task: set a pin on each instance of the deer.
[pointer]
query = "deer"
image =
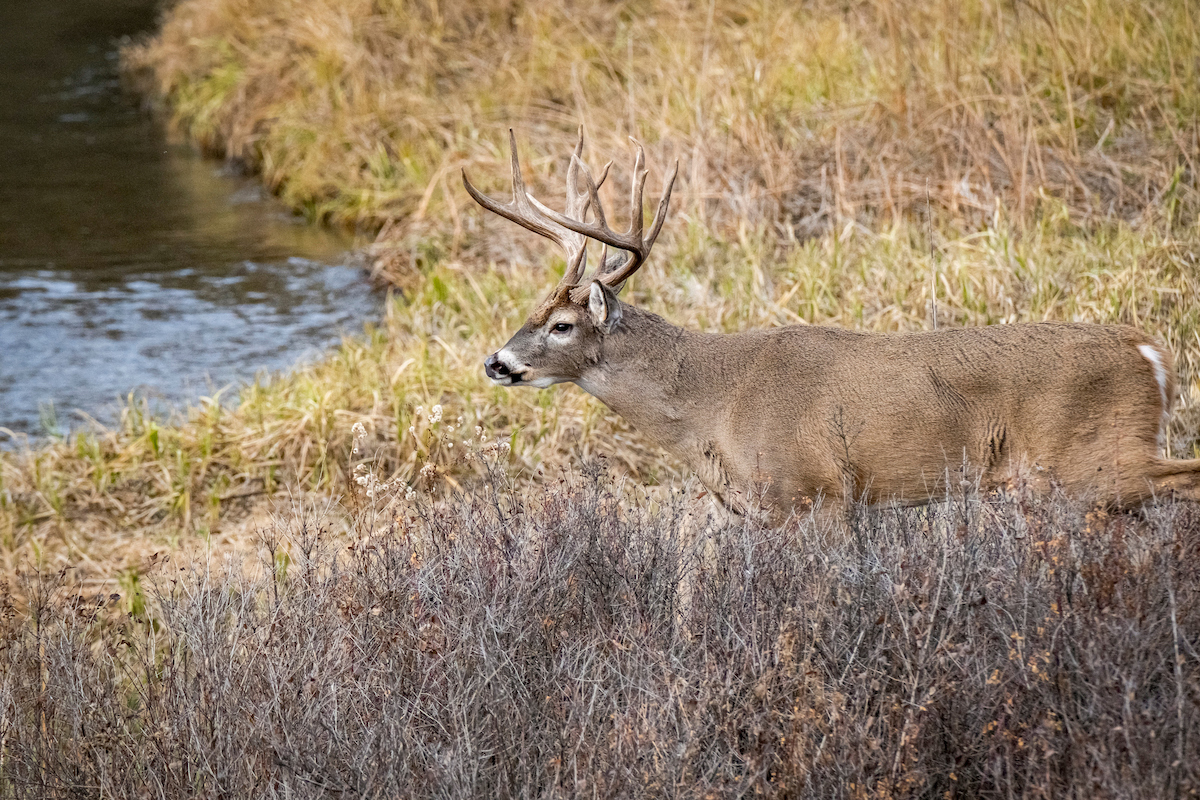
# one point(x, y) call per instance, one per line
point(790, 416)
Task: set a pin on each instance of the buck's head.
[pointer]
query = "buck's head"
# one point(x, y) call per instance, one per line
point(564, 337)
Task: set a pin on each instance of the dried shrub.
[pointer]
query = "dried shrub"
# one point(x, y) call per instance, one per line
point(578, 642)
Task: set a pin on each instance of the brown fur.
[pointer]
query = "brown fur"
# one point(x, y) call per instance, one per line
point(807, 412)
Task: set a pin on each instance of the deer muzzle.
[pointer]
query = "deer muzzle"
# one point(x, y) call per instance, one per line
point(498, 371)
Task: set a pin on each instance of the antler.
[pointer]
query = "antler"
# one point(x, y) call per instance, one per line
point(541, 220)
point(614, 273)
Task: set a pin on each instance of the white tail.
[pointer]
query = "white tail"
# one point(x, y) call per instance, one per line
point(796, 413)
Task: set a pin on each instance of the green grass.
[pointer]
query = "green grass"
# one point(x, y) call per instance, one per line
point(295, 429)
point(1054, 146)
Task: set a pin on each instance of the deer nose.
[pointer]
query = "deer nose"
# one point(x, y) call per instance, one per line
point(494, 367)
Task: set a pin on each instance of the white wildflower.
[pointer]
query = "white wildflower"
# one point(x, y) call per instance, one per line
point(359, 432)
point(428, 471)
point(435, 415)
point(366, 479)
point(410, 493)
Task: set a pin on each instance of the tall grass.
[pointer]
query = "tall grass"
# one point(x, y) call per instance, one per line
point(81, 499)
point(841, 164)
point(583, 642)
point(800, 114)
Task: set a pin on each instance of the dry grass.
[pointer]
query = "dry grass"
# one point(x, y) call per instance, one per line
point(580, 641)
point(79, 500)
point(800, 115)
point(1057, 143)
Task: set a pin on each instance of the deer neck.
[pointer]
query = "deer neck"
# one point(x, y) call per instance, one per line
point(657, 376)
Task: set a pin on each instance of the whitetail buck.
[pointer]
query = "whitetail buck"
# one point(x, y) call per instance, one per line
point(795, 413)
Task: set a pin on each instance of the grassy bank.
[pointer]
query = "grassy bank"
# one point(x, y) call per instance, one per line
point(780, 112)
point(203, 476)
point(839, 164)
point(583, 643)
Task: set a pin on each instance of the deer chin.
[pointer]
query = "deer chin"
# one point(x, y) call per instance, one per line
point(520, 379)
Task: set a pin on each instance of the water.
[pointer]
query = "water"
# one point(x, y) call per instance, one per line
point(128, 262)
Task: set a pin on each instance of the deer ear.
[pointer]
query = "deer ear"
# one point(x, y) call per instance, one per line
point(604, 307)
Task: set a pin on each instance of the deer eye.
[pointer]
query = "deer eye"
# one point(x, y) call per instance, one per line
point(562, 327)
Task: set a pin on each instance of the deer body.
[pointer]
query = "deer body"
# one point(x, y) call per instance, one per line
point(801, 412)
point(787, 415)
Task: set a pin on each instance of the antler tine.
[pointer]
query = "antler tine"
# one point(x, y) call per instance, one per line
point(660, 214)
point(577, 206)
point(635, 190)
point(603, 175)
point(577, 203)
point(593, 190)
point(616, 276)
point(575, 210)
point(518, 209)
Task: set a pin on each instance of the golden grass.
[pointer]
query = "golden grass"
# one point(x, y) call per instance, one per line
point(794, 113)
point(194, 476)
point(1057, 144)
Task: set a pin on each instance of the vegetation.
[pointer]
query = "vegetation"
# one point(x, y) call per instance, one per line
point(840, 164)
point(386, 576)
point(584, 642)
point(781, 113)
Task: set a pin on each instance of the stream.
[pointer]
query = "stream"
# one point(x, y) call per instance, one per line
point(129, 263)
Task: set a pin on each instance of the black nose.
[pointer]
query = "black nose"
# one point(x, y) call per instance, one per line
point(494, 367)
